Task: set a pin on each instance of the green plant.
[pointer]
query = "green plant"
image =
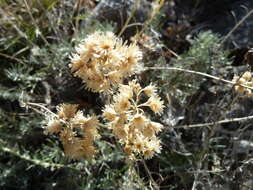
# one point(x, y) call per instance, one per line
point(203, 55)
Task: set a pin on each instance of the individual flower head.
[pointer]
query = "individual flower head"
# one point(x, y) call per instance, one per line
point(139, 144)
point(148, 131)
point(135, 86)
point(156, 104)
point(245, 79)
point(157, 127)
point(105, 44)
point(152, 146)
point(121, 103)
point(126, 91)
point(132, 56)
point(139, 121)
point(73, 148)
point(119, 127)
point(67, 111)
point(150, 90)
point(129, 122)
point(87, 125)
point(102, 61)
point(148, 153)
point(53, 126)
point(88, 149)
point(109, 113)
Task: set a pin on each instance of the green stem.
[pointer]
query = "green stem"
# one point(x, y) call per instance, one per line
point(36, 161)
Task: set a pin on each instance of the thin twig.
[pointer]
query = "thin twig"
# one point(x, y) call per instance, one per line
point(30, 104)
point(11, 57)
point(134, 24)
point(198, 73)
point(237, 25)
point(34, 22)
point(173, 53)
point(149, 174)
point(129, 18)
point(217, 122)
point(77, 11)
point(34, 105)
point(155, 10)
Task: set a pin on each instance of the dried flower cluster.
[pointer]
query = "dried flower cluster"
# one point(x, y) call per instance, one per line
point(103, 60)
point(129, 123)
point(245, 79)
point(77, 133)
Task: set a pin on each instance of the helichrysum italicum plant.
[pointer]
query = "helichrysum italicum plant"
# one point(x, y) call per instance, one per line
point(103, 60)
point(129, 122)
point(77, 132)
point(245, 79)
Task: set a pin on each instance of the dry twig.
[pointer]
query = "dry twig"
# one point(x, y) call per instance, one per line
point(198, 73)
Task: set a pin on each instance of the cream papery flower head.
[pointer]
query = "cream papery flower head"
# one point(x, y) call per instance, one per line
point(76, 131)
point(156, 104)
point(102, 61)
point(129, 122)
point(67, 111)
point(109, 113)
point(245, 79)
point(150, 90)
point(54, 126)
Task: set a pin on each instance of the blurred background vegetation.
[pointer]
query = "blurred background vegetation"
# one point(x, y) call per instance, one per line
point(38, 36)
